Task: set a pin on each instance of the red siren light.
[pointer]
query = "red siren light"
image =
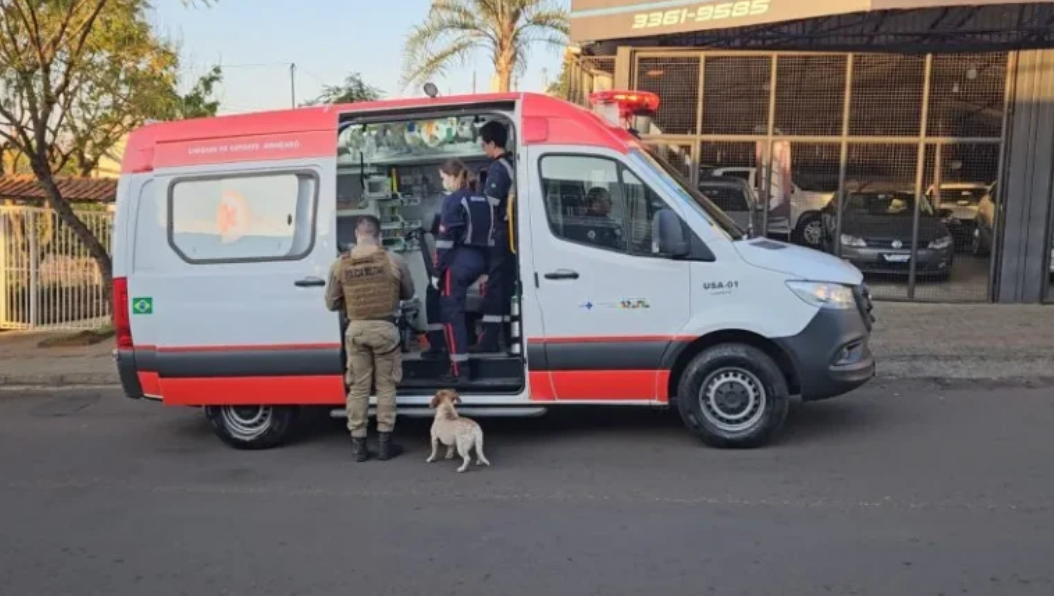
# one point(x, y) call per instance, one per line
point(627, 103)
point(621, 108)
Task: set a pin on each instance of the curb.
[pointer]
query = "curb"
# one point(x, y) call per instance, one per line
point(45, 381)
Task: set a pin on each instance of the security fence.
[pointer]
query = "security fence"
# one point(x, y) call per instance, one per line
point(586, 75)
point(48, 280)
point(910, 144)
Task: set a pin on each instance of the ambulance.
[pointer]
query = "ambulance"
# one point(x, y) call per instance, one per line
point(226, 227)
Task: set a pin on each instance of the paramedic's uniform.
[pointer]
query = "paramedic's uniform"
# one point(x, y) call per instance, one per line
point(465, 235)
point(501, 266)
point(368, 284)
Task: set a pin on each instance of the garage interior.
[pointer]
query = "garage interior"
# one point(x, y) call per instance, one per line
point(899, 127)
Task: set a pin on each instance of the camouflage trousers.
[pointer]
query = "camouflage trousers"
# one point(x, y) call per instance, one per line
point(375, 360)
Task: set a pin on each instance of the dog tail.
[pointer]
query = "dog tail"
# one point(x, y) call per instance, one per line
point(479, 446)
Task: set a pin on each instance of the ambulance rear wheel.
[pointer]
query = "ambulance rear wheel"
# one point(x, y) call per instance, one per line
point(252, 427)
point(733, 396)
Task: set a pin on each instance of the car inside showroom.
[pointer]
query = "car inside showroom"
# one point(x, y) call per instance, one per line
point(913, 138)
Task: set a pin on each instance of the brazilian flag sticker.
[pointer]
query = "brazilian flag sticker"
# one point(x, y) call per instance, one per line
point(142, 306)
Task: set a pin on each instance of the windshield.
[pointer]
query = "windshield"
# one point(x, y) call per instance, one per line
point(899, 204)
point(676, 182)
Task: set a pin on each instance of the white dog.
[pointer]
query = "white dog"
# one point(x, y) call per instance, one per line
point(455, 431)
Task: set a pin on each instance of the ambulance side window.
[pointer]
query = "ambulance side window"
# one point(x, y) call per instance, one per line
point(242, 218)
point(597, 202)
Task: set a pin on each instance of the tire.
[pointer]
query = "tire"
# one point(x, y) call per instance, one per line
point(253, 427)
point(733, 366)
point(810, 231)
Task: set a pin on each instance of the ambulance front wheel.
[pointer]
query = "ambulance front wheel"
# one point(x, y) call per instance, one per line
point(733, 396)
point(252, 427)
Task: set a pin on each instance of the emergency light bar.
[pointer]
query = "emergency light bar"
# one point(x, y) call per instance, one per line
point(621, 107)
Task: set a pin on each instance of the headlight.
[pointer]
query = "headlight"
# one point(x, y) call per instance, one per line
point(941, 243)
point(848, 240)
point(823, 295)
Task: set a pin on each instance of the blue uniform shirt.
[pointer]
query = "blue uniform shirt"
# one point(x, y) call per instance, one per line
point(499, 183)
point(466, 219)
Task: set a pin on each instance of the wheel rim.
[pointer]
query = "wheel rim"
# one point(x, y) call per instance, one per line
point(733, 399)
point(246, 422)
point(812, 233)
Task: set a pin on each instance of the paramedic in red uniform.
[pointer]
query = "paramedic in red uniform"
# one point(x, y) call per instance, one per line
point(368, 283)
point(501, 267)
point(466, 233)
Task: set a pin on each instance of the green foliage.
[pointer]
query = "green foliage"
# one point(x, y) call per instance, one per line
point(352, 90)
point(507, 30)
point(561, 87)
point(200, 101)
point(75, 77)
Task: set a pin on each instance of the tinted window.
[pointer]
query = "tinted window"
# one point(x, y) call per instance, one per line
point(727, 198)
point(596, 201)
point(239, 218)
point(889, 204)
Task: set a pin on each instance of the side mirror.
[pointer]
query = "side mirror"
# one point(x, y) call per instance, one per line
point(668, 236)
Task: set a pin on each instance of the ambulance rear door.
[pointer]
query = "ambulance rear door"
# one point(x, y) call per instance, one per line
point(231, 264)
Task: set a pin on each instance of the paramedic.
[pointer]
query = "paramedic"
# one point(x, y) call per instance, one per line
point(465, 234)
point(368, 283)
point(501, 267)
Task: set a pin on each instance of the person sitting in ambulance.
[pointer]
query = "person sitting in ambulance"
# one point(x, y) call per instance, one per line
point(598, 227)
point(466, 233)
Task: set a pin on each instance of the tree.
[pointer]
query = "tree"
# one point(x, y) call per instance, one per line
point(352, 90)
point(561, 87)
point(75, 76)
point(505, 29)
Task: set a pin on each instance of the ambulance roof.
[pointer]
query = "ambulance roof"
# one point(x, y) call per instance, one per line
point(312, 132)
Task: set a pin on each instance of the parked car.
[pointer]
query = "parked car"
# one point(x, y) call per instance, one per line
point(962, 199)
point(735, 197)
point(804, 226)
point(876, 234)
point(983, 234)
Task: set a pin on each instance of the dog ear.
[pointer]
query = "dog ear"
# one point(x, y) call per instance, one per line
point(435, 400)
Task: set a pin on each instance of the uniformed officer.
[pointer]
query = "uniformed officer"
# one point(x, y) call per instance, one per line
point(368, 283)
point(501, 266)
point(466, 230)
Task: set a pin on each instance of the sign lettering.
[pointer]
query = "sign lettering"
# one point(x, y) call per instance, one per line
point(702, 14)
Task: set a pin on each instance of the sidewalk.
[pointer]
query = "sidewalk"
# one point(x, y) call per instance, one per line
point(944, 342)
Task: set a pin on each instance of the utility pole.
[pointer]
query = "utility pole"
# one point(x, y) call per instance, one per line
point(292, 82)
point(473, 82)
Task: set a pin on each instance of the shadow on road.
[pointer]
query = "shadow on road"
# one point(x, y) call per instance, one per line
point(806, 423)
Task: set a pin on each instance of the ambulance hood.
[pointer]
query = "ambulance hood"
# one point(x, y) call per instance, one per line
point(800, 262)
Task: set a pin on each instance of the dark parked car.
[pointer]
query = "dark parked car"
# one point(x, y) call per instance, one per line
point(735, 197)
point(877, 229)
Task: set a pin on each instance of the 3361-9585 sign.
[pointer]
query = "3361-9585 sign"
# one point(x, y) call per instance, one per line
point(702, 13)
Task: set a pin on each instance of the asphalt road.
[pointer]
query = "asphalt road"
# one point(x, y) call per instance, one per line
point(895, 490)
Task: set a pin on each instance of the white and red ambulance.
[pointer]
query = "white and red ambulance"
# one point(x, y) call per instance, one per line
point(226, 227)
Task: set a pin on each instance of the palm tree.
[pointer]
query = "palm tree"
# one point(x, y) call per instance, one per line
point(506, 29)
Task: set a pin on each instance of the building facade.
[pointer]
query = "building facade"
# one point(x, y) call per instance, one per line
point(916, 142)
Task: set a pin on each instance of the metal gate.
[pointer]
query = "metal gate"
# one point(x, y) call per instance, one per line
point(48, 280)
point(910, 145)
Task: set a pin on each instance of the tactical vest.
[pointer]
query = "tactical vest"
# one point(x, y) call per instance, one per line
point(371, 288)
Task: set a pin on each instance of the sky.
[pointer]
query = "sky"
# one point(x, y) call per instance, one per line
point(255, 41)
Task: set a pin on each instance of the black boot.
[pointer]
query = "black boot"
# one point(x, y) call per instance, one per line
point(385, 448)
point(358, 449)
